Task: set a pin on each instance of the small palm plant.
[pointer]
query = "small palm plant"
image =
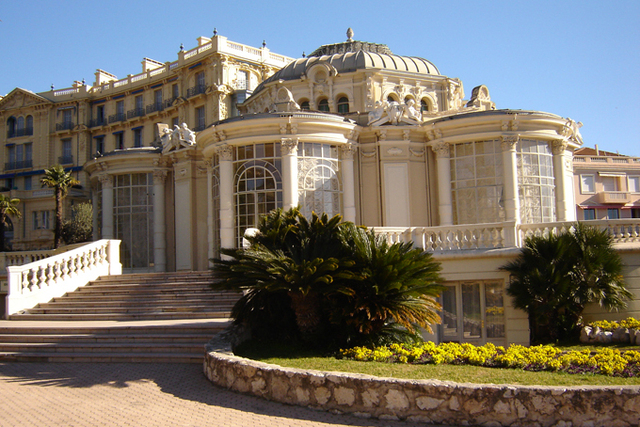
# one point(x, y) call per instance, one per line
point(337, 283)
point(8, 209)
point(57, 178)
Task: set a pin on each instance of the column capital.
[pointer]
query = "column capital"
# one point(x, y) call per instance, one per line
point(559, 146)
point(441, 149)
point(289, 146)
point(348, 151)
point(159, 175)
point(225, 153)
point(106, 180)
point(509, 142)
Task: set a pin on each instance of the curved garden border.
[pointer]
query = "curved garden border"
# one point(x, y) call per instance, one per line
point(428, 401)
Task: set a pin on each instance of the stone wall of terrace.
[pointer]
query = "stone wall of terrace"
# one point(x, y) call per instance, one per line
point(422, 401)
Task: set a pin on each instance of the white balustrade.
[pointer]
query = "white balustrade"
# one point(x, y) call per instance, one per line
point(621, 230)
point(40, 281)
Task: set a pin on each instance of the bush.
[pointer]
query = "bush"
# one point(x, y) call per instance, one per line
point(80, 228)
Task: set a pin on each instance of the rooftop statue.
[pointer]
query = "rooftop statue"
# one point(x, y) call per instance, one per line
point(176, 138)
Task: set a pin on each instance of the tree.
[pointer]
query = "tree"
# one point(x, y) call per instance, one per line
point(60, 180)
point(556, 276)
point(335, 283)
point(80, 227)
point(8, 209)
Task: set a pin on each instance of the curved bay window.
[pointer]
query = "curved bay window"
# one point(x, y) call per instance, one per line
point(476, 182)
point(133, 219)
point(258, 184)
point(318, 182)
point(536, 182)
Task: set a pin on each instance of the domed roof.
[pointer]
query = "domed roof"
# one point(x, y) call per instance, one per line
point(354, 55)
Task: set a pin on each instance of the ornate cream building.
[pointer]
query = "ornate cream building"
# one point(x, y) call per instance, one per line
point(182, 158)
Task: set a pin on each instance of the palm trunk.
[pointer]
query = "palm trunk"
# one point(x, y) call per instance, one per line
point(58, 226)
point(307, 311)
point(1, 236)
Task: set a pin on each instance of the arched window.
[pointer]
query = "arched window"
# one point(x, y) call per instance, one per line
point(258, 191)
point(11, 127)
point(407, 99)
point(304, 105)
point(391, 98)
point(343, 105)
point(323, 106)
point(424, 106)
point(29, 129)
point(20, 123)
point(318, 179)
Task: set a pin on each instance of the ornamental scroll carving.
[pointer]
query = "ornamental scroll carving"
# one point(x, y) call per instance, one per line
point(225, 153)
point(106, 180)
point(289, 146)
point(441, 149)
point(558, 146)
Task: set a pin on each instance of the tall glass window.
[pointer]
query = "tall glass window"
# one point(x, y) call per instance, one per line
point(258, 184)
point(318, 182)
point(133, 219)
point(536, 182)
point(476, 182)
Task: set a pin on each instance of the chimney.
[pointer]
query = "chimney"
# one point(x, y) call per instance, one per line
point(597, 150)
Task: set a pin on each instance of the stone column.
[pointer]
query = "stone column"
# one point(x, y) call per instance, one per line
point(563, 174)
point(510, 178)
point(210, 235)
point(289, 173)
point(107, 206)
point(443, 166)
point(227, 235)
point(348, 182)
point(159, 225)
point(94, 202)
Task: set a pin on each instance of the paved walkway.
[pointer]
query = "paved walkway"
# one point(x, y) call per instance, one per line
point(139, 395)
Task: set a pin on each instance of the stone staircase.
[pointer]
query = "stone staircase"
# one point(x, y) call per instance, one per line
point(158, 317)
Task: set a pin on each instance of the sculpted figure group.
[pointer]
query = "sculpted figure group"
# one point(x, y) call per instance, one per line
point(394, 113)
point(176, 138)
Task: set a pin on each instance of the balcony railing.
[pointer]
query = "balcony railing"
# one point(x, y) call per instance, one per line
point(19, 132)
point(65, 160)
point(101, 121)
point(22, 164)
point(615, 197)
point(196, 90)
point(65, 126)
point(156, 106)
point(119, 117)
point(137, 112)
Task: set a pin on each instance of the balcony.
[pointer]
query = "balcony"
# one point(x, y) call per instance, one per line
point(97, 122)
point(137, 112)
point(20, 132)
point(119, 117)
point(196, 90)
point(613, 197)
point(155, 107)
point(65, 160)
point(65, 126)
point(23, 164)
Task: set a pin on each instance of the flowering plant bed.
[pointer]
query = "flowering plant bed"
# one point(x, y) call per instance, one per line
point(605, 361)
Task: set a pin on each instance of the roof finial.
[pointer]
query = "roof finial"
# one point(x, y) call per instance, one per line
point(349, 35)
point(264, 43)
point(215, 32)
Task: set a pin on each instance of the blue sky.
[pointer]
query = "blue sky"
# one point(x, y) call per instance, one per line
point(577, 59)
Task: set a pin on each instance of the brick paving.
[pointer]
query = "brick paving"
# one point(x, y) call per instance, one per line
point(142, 394)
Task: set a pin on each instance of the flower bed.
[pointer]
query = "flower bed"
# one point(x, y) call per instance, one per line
point(605, 361)
point(610, 332)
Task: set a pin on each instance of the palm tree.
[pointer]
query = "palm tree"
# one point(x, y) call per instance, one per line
point(556, 276)
point(8, 208)
point(60, 180)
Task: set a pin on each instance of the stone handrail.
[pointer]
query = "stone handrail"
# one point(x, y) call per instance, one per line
point(454, 237)
point(40, 281)
point(499, 235)
point(622, 230)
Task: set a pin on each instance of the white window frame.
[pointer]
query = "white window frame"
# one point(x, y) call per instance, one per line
point(636, 179)
point(583, 188)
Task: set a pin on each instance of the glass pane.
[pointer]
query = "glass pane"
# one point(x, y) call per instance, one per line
point(494, 309)
point(471, 315)
point(449, 315)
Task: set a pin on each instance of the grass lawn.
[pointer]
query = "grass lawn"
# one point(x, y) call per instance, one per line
point(298, 357)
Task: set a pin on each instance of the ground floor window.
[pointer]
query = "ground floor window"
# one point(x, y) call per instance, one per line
point(473, 312)
point(589, 214)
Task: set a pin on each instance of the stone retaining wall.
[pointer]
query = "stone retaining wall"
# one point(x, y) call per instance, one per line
point(427, 401)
